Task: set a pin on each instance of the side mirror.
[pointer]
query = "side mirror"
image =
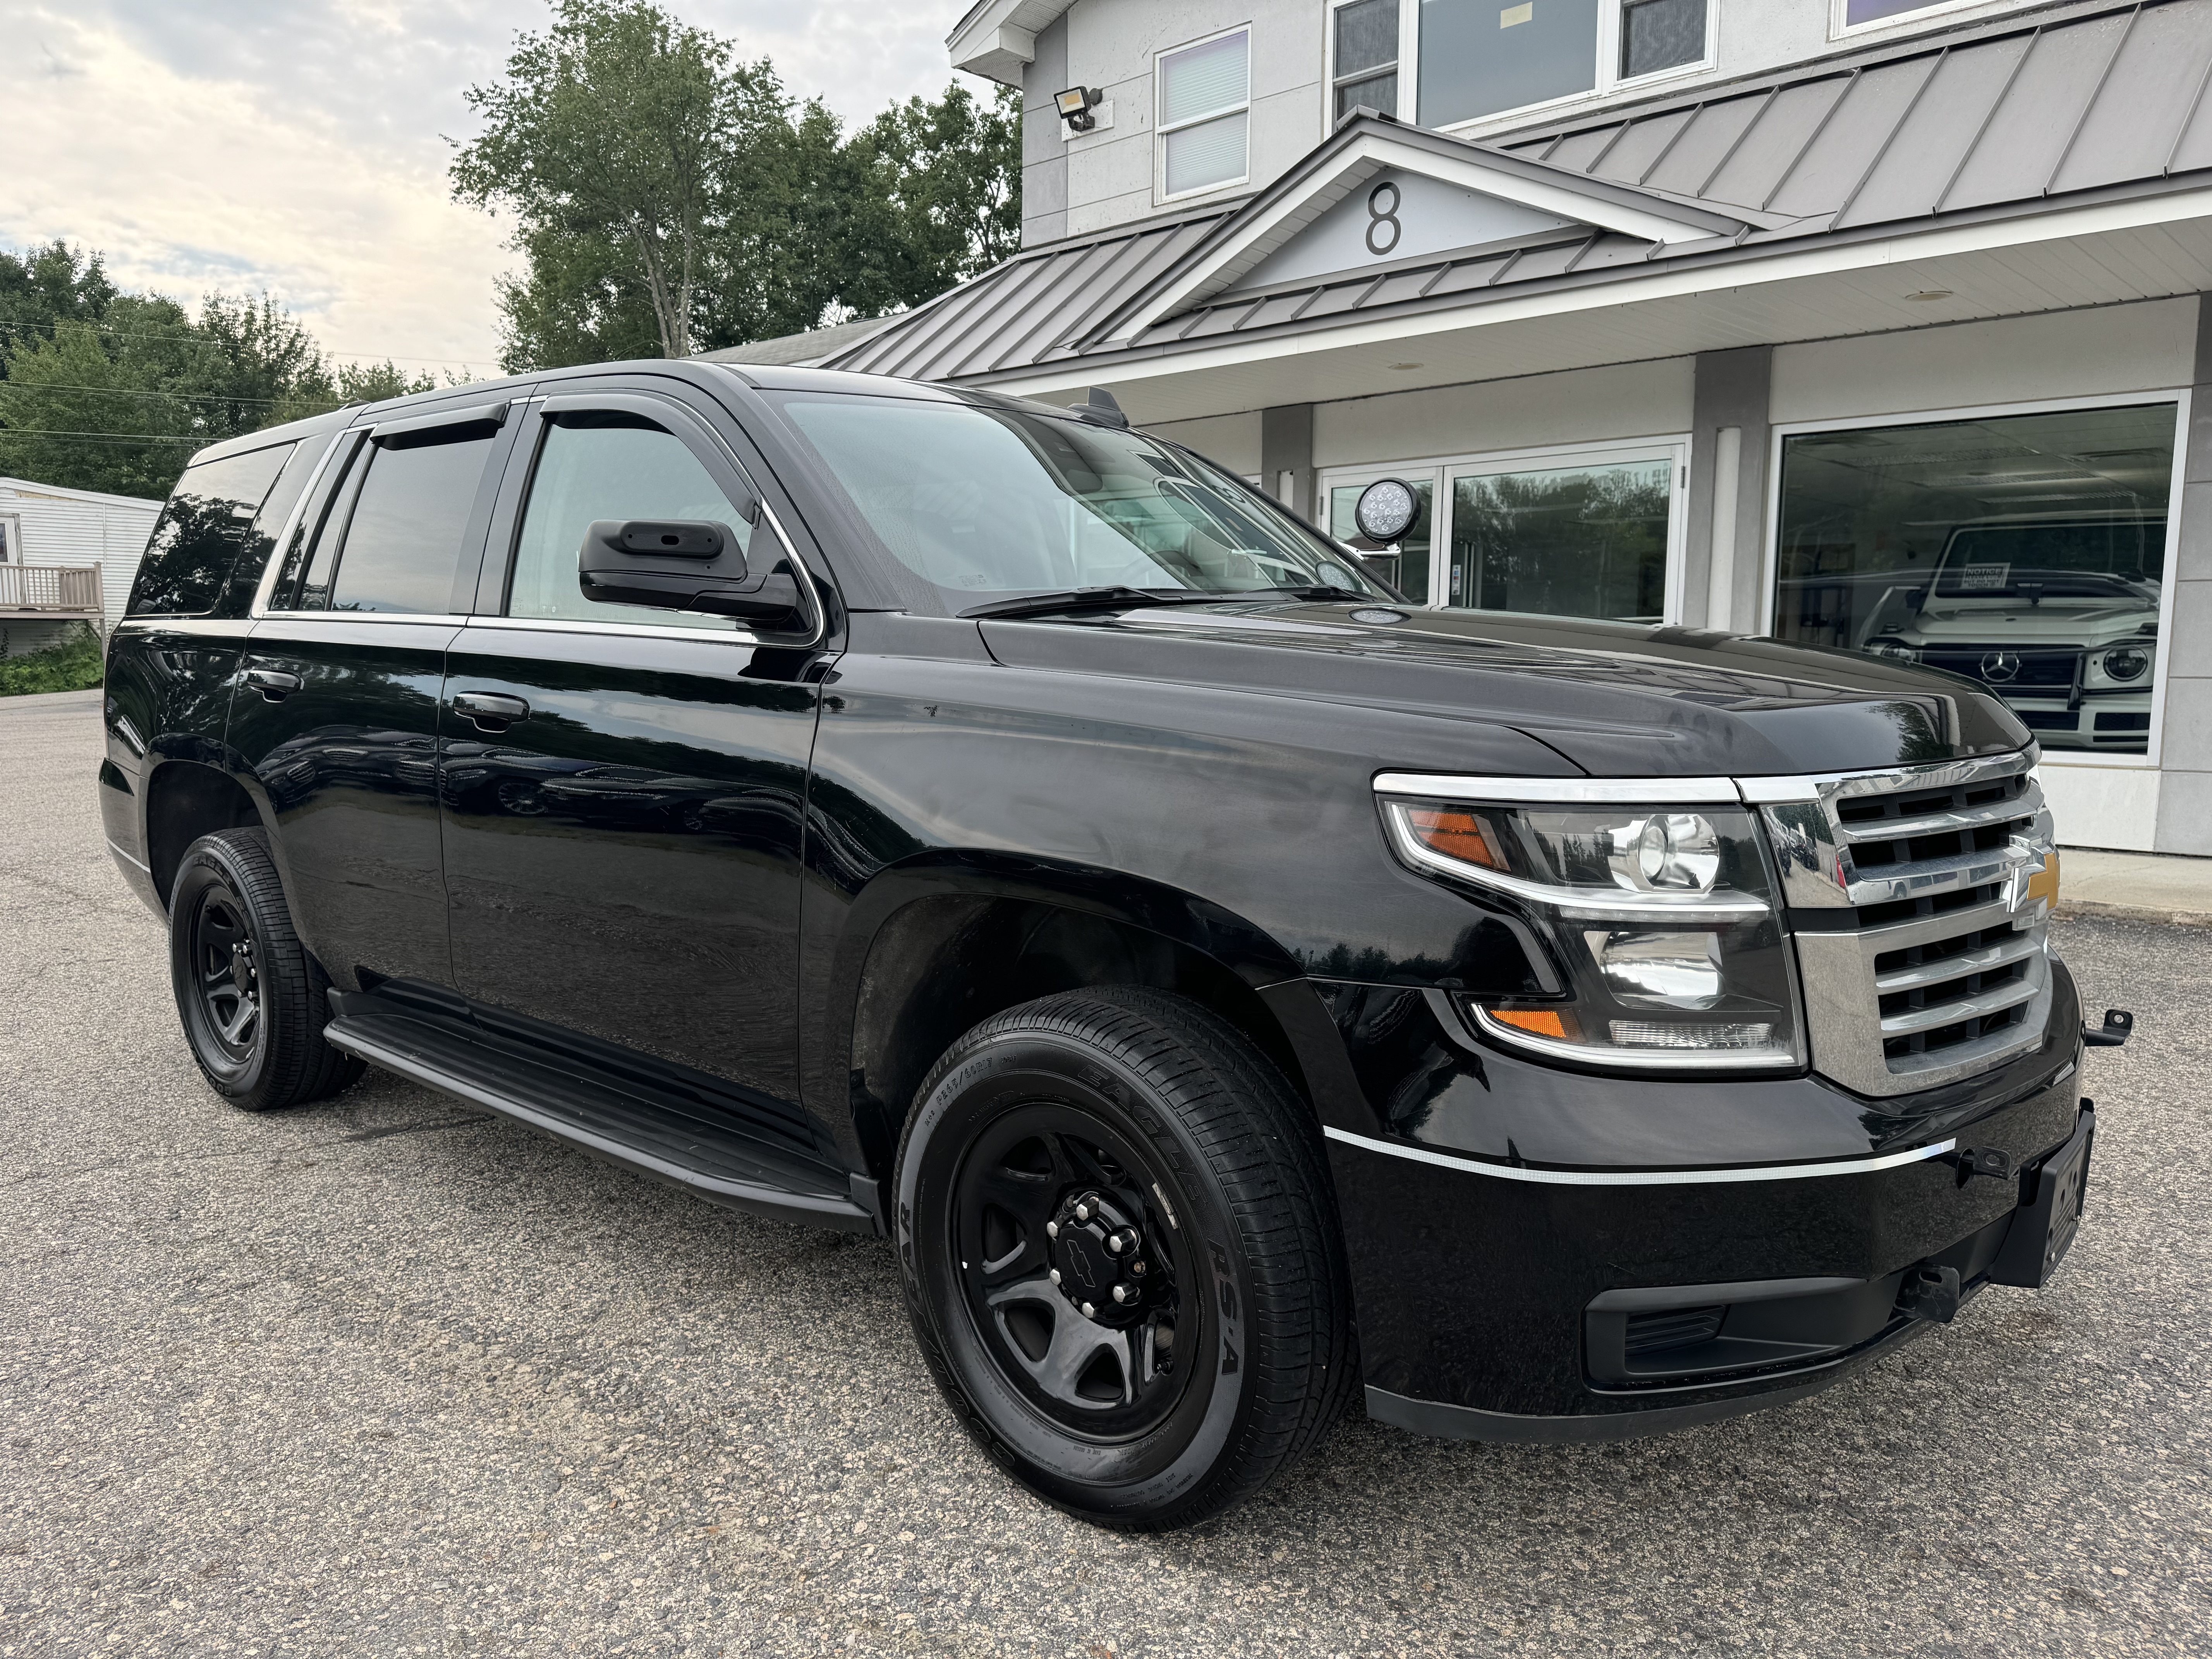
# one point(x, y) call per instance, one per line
point(682, 565)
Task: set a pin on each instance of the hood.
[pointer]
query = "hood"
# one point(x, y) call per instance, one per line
point(2015, 622)
point(1616, 699)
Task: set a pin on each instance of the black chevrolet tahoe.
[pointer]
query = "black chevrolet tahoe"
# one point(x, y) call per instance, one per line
point(1231, 988)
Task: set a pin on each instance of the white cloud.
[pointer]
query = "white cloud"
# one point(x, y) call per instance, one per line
point(295, 145)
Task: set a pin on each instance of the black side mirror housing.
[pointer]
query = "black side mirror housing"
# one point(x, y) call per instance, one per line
point(683, 564)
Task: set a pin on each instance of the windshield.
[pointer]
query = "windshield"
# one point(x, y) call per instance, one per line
point(2090, 557)
point(989, 504)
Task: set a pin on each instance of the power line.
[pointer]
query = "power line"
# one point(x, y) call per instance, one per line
point(187, 333)
point(128, 437)
point(133, 391)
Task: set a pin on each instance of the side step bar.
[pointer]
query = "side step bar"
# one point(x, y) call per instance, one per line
point(654, 1137)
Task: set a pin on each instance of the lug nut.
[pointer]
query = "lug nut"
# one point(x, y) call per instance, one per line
point(1113, 1244)
point(1088, 1310)
point(1055, 1275)
point(1052, 1230)
point(1123, 1293)
point(1083, 1211)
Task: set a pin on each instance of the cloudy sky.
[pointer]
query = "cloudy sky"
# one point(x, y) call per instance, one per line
point(294, 145)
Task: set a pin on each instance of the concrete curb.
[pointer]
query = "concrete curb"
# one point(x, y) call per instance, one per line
point(2070, 909)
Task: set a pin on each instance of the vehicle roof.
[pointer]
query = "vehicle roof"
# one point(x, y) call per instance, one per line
point(760, 377)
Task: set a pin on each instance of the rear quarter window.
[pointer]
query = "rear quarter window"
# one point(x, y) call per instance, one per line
point(208, 521)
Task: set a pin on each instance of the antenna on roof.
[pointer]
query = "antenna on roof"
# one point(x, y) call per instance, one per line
point(1101, 407)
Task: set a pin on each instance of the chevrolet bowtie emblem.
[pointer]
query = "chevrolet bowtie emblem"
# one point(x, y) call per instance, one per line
point(2031, 882)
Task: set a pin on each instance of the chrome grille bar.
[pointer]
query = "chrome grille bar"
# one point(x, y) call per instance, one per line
point(1820, 850)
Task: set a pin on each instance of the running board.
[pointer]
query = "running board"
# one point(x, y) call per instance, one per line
point(654, 1136)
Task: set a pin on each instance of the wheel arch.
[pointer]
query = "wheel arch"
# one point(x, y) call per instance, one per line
point(184, 801)
point(932, 948)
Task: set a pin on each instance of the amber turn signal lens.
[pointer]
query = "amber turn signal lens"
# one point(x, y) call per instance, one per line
point(1538, 1022)
point(1456, 835)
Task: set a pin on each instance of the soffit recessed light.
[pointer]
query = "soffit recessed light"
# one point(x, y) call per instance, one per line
point(1401, 368)
point(1928, 294)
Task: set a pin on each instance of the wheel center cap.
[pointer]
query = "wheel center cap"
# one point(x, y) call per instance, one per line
point(1084, 1269)
point(1097, 1258)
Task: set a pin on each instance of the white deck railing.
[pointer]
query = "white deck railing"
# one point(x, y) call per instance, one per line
point(51, 590)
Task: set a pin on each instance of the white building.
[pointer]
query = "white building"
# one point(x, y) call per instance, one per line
point(1862, 322)
point(43, 526)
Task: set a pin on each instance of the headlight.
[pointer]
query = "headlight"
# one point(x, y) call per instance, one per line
point(2129, 662)
point(1896, 649)
point(1661, 917)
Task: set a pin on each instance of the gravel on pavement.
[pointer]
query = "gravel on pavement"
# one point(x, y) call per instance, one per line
point(386, 1374)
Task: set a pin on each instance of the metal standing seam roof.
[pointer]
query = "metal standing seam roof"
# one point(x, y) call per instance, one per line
point(2005, 115)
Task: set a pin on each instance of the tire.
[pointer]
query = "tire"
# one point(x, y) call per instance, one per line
point(1209, 1205)
point(252, 1001)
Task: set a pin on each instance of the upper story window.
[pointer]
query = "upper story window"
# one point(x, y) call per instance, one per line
point(1863, 14)
point(1366, 64)
point(1478, 57)
point(1205, 114)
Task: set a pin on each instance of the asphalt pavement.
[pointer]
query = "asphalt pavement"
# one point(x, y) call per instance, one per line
point(387, 1375)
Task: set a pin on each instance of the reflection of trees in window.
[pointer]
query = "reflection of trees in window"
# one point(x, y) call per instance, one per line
point(208, 521)
point(1588, 542)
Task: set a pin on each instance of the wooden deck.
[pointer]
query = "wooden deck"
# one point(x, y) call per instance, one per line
point(50, 591)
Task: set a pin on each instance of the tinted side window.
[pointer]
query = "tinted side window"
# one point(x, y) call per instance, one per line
point(403, 543)
point(207, 522)
point(596, 466)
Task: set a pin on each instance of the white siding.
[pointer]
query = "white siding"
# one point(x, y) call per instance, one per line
point(80, 527)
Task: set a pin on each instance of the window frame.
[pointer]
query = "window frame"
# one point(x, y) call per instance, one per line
point(722, 464)
point(1839, 29)
point(1445, 470)
point(1610, 80)
point(325, 507)
point(2169, 599)
point(1162, 129)
point(1409, 15)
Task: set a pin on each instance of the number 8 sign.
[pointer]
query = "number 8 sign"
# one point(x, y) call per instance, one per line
point(1378, 216)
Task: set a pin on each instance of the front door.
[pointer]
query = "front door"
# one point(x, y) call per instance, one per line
point(335, 713)
point(624, 788)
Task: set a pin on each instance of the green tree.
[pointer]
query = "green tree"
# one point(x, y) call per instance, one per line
point(114, 392)
point(673, 199)
point(619, 129)
point(948, 176)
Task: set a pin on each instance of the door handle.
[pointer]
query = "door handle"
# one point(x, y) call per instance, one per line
point(492, 711)
point(275, 684)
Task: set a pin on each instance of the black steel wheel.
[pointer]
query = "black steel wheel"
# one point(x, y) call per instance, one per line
point(1120, 1255)
point(252, 1001)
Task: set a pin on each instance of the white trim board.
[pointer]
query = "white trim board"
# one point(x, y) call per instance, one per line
point(1789, 264)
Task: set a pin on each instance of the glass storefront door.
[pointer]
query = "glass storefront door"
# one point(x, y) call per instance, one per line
point(2025, 551)
point(1565, 537)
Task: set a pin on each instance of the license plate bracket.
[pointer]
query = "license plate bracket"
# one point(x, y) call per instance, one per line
point(2049, 1218)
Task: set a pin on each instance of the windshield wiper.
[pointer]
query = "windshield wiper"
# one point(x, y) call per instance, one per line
point(1094, 599)
point(1322, 591)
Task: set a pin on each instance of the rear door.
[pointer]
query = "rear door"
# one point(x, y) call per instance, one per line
point(336, 711)
point(625, 788)
point(171, 662)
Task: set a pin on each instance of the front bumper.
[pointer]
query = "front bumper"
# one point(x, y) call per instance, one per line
point(1516, 1280)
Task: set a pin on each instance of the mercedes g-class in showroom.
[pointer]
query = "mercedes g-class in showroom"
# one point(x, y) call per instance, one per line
point(1232, 990)
point(2055, 613)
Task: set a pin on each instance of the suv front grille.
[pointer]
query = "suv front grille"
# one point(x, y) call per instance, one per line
point(1923, 956)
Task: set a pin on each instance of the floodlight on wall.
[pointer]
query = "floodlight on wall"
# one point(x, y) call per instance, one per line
point(1075, 105)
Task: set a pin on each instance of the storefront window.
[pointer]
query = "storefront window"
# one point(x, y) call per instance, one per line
point(1567, 541)
point(1405, 567)
point(2024, 551)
